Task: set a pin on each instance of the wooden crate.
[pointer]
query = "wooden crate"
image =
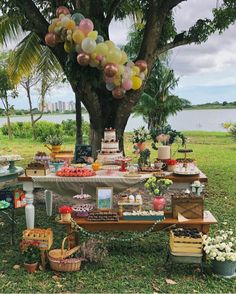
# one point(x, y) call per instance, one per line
point(43, 236)
point(190, 207)
point(185, 244)
point(36, 172)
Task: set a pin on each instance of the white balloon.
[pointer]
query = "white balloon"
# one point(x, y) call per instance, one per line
point(88, 45)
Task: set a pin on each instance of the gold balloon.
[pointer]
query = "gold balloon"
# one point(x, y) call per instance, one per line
point(110, 70)
point(62, 10)
point(142, 64)
point(51, 39)
point(83, 59)
point(118, 92)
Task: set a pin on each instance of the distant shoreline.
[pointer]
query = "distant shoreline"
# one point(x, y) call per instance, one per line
point(189, 108)
point(210, 107)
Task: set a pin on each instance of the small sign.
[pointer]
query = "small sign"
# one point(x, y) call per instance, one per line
point(82, 152)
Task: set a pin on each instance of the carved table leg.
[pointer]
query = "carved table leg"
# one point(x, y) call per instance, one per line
point(48, 202)
point(29, 208)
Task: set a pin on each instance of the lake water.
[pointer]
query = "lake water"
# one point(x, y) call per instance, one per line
point(186, 120)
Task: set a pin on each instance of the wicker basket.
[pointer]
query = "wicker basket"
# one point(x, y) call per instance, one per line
point(60, 261)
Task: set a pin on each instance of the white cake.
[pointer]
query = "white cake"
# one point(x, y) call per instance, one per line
point(109, 147)
point(164, 152)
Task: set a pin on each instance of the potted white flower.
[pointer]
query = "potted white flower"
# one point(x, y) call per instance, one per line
point(222, 250)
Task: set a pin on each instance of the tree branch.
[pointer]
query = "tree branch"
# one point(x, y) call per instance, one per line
point(172, 3)
point(152, 32)
point(40, 26)
point(111, 11)
point(172, 45)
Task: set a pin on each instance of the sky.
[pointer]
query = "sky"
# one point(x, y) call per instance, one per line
point(207, 72)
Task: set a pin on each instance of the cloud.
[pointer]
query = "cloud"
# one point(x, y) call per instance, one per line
point(214, 55)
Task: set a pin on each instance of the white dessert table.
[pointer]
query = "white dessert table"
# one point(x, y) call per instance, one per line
point(70, 186)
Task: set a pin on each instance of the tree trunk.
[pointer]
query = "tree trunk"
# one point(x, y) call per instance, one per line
point(96, 135)
point(9, 126)
point(79, 132)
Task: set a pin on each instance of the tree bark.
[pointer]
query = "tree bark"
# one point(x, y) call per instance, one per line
point(9, 126)
point(79, 133)
point(7, 111)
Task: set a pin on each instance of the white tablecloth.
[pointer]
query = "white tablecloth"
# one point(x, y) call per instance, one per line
point(70, 186)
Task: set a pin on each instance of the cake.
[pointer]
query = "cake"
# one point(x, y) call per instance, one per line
point(164, 152)
point(109, 147)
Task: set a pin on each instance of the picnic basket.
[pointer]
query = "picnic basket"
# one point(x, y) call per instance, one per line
point(61, 261)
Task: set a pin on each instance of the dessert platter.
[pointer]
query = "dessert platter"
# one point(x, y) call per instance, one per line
point(68, 171)
point(82, 210)
point(144, 215)
point(189, 170)
point(110, 151)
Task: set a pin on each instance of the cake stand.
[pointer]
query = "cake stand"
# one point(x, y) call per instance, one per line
point(123, 162)
point(11, 159)
point(185, 151)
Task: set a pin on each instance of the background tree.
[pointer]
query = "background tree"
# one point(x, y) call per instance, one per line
point(157, 103)
point(7, 90)
point(158, 35)
point(43, 83)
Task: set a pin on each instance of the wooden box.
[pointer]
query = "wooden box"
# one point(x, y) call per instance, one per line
point(36, 172)
point(185, 244)
point(190, 207)
point(42, 236)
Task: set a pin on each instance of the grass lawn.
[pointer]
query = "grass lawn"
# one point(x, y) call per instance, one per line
point(137, 266)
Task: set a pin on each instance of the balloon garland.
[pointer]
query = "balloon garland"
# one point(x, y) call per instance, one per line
point(78, 34)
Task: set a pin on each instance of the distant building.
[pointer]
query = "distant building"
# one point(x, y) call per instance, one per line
point(60, 106)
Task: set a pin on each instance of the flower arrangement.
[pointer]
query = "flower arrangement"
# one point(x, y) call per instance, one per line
point(157, 187)
point(171, 162)
point(166, 136)
point(222, 247)
point(30, 251)
point(54, 140)
point(65, 209)
point(140, 135)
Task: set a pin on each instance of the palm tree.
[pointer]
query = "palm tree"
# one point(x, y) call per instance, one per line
point(29, 56)
point(157, 102)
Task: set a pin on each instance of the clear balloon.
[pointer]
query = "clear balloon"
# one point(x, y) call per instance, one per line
point(100, 39)
point(88, 45)
point(65, 20)
point(77, 17)
point(110, 86)
point(86, 26)
point(78, 48)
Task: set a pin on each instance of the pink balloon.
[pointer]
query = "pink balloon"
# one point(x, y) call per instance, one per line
point(86, 26)
point(127, 84)
point(99, 57)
